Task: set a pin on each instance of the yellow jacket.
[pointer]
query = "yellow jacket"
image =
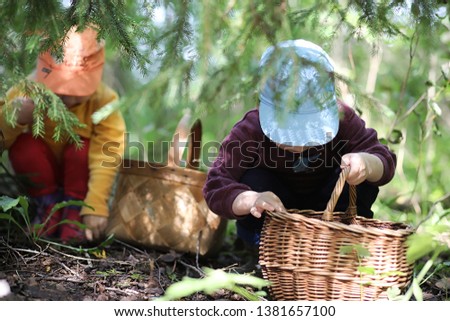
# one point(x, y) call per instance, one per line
point(106, 145)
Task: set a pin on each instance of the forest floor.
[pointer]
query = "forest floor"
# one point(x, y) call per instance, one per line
point(42, 270)
point(116, 272)
point(119, 272)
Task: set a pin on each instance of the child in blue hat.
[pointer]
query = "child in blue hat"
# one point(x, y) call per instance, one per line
point(288, 152)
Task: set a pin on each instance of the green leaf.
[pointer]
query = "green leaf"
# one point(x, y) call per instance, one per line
point(428, 239)
point(346, 249)
point(418, 247)
point(136, 276)
point(19, 204)
point(23, 201)
point(248, 280)
point(360, 250)
point(109, 240)
point(7, 203)
point(212, 282)
point(63, 204)
point(8, 217)
point(417, 291)
point(366, 270)
point(394, 293)
point(261, 293)
point(78, 224)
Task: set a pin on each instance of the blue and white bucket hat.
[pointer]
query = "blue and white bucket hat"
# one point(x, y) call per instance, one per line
point(298, 105)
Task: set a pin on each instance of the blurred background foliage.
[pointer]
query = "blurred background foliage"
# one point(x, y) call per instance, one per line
point(169, 57)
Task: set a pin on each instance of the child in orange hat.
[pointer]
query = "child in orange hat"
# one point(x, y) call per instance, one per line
point(59, 171)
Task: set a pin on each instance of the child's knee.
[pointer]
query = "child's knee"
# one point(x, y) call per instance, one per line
point(76, 155)
point(25, 147)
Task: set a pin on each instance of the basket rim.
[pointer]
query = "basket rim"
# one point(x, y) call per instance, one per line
point(298, 216)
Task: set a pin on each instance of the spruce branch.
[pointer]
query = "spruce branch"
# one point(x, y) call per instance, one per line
point(47, 104)
point(177, 36)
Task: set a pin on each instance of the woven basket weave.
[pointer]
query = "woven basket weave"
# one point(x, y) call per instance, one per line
point(309, 255)
point(162, 206)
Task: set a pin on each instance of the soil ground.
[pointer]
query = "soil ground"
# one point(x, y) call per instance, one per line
point(39, 270)
point(118, 272)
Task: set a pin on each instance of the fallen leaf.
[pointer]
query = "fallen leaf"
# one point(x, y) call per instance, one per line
point(443, 284)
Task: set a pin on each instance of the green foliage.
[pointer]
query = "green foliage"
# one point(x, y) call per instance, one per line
point(432, 236)
point(8, 203)
point(431, 239)
point(47, 105)
point(108, 273)
point(213, 281)
point(9, 206)
point(31, 27)
point(391, 61)
point(360, 251)
point(16, 211)
point(98, 251)
point(203, 55)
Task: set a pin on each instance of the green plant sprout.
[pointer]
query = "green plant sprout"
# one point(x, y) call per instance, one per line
point(136, 276)
point(110, 272)
point(20, 205)
point(10, 207)
point(213, 281)
point(431, 239)
point(361, 253)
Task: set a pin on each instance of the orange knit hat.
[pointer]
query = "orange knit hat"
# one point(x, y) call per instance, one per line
point(80, 72)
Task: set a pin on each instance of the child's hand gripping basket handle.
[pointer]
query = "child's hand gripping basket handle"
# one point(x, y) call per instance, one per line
point(351, 209)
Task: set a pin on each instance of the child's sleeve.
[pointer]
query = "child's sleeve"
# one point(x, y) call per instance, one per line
point(106, 149)
point(238, 151)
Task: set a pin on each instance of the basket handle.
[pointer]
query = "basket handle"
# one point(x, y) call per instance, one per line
point(186, 136)
point(351, 209)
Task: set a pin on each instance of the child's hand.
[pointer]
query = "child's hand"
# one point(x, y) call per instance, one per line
point(266, 201)
point(363, 166)
point(25, 112)
point(95, 227)
point(256, 203)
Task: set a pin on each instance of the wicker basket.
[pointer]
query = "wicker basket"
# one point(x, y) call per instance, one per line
point(161, 206)
point(309, 255)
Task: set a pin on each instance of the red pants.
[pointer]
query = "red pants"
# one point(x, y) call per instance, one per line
point(31, 157)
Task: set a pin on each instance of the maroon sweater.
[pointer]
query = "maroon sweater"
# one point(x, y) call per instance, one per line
point(247, 147)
